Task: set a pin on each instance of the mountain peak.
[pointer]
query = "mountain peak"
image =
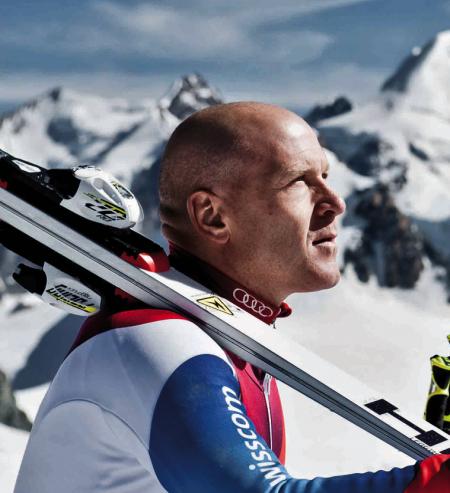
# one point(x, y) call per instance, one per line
point(423, 78)
point(430, 58)
point(400, 79)
point(55, 93)
point(189, 94)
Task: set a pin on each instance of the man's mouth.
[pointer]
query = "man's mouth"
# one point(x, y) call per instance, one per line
point(329, 238)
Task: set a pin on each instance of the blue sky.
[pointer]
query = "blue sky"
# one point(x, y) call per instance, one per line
point(290, 52)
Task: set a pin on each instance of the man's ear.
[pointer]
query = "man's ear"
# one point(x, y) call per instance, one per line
point(205, 210)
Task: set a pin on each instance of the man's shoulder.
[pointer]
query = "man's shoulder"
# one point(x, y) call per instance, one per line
point(124, 359)
point(107, 321)
point(141, 338)
point(139, 316)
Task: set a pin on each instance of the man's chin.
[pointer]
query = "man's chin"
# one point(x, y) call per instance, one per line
point(321, 281)
point(334, 281)
point(329, 282)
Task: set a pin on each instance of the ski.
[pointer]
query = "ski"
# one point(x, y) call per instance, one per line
point(100, 254)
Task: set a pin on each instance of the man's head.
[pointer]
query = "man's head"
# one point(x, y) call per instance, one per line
point(243, 186)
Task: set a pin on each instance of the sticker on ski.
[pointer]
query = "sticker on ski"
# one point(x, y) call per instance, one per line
point(215, 303)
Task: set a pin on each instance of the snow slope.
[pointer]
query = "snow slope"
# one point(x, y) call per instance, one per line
point(12, 445)
point(21, 327)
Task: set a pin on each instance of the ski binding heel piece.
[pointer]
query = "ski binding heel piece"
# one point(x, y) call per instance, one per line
point(103, 199)
point(58, 289)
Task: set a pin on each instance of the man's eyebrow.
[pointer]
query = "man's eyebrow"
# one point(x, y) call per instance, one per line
point(292, 171)
point(283, 176)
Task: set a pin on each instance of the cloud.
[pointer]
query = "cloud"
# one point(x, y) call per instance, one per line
point(167, 32)
point(259, 10)
point(228, 32)
point(301, 89)
point(225, 33)
point(241, 46)
point(300, 46)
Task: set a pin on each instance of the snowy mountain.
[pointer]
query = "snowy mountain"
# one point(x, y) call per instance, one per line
point(390, 160)
point(400, 140)
point(64, 128)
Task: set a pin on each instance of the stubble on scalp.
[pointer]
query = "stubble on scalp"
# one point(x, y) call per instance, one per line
point(227, 149)
point(211, 150)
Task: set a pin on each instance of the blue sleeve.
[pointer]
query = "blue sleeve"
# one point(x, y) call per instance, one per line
point(202, 441)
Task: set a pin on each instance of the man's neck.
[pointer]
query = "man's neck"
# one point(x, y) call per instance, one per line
point(225, 286)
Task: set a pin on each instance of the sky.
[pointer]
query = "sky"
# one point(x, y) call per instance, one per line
point(295, 53)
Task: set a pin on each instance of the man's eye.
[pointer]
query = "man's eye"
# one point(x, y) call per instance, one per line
point(324, 176)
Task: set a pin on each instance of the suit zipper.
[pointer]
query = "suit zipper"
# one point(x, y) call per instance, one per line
point(266, 385)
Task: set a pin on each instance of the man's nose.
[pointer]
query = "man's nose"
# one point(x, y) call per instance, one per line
point(330, 202)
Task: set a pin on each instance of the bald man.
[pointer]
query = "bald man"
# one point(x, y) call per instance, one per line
point(146, 401)
point(243, 186)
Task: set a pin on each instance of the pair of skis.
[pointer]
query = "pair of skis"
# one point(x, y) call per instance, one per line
point(42, 219)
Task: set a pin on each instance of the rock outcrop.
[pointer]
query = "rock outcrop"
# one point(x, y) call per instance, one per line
point(391, 246)
point(10, 414)
point(339, 106)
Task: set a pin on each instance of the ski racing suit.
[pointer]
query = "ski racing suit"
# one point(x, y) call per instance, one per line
point(146, 402)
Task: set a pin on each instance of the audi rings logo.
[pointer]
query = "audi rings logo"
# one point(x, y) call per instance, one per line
point(252, 303)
